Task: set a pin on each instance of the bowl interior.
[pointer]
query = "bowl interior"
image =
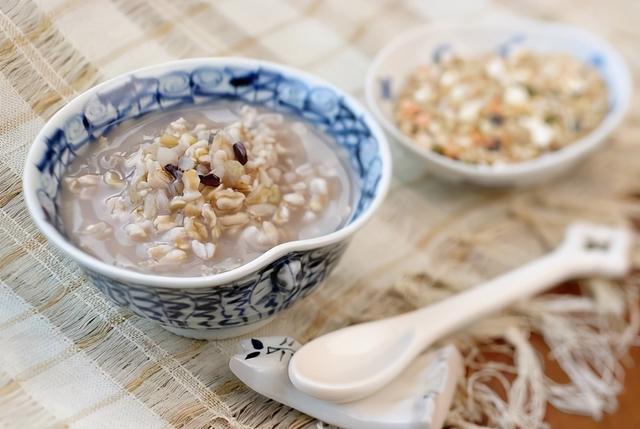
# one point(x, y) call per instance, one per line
point(137, 94)
point(195, 82)
point(426, 45)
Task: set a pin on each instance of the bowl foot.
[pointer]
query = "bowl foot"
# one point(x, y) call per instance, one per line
point(217, 334)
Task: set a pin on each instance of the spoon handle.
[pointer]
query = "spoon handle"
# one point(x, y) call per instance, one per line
point(453, 313)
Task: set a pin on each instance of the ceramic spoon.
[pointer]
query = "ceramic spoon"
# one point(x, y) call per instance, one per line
point(354, 362)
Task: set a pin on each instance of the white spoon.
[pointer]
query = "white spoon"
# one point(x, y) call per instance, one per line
point(354, 362)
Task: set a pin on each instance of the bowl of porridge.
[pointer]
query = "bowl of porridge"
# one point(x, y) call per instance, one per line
point(497, 103)
point(207, 194)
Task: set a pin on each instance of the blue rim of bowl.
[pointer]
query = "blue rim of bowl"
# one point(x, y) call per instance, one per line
point(30, 180)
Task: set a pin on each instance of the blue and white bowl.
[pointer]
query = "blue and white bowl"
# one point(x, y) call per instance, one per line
point(242, 299)
point(478, 35)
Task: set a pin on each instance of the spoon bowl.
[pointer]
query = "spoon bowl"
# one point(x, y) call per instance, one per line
point(361, 356)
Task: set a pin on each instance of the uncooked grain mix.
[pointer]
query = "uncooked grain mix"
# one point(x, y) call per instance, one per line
point(497, 109)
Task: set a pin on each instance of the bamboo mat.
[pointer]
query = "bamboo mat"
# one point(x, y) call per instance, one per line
point(69, 358)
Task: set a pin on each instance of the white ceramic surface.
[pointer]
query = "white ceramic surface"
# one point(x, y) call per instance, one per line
point(420, 397)
point(471, 36)
point(351, 363)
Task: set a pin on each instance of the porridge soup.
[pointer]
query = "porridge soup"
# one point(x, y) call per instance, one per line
point(203, 190)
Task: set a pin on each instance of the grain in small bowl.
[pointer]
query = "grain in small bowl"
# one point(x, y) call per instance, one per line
point(207, 194)
point(499, 103)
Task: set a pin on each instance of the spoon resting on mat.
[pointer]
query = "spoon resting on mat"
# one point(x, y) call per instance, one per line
point(354, 362)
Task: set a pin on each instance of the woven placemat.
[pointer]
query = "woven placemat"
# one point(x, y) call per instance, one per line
point(70, 358)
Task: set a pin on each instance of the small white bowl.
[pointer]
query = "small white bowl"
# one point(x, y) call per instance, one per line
point(397, 60)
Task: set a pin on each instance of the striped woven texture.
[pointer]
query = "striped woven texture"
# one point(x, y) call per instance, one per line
point(69, 358)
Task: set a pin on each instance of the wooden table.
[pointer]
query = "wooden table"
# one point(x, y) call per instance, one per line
point(627, 416)
point(628, 413)
point(618, 22)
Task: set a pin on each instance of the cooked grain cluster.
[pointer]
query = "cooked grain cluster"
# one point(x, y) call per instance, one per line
point(192, 186)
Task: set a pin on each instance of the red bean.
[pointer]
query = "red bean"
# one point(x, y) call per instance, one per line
point(173, 170)
point(210, 180)
point(241, 152)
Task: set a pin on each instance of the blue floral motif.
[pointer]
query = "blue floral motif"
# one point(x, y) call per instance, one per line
point(274, 287)
point(245, 301)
